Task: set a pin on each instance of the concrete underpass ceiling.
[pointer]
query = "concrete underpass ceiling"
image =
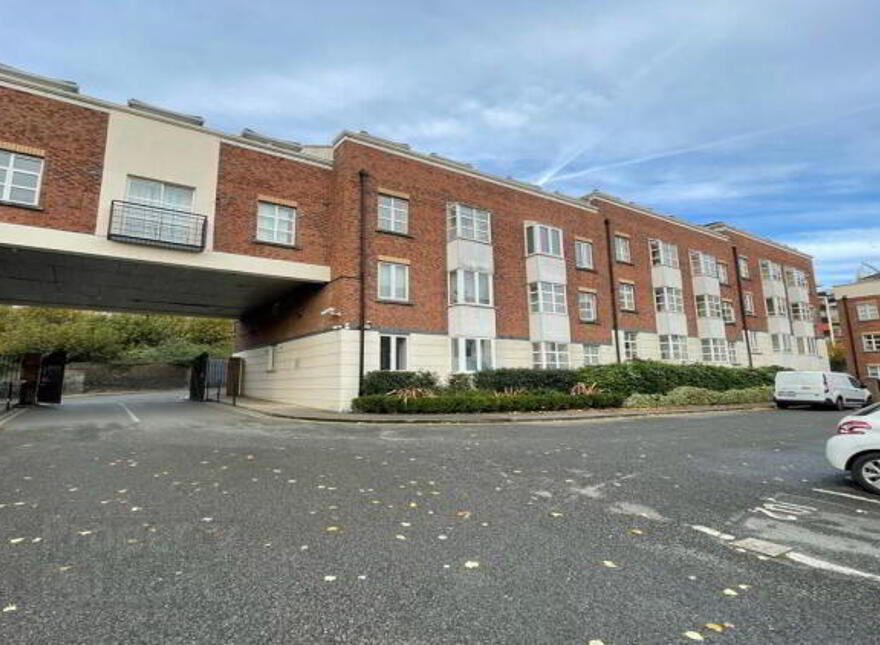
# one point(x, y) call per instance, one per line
point(40, 278)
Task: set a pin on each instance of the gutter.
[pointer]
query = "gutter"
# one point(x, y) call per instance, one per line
point(742, 304)
point(614, 322)
point(363, 177)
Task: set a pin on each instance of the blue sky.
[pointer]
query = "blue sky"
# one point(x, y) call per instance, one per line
point(765, 114)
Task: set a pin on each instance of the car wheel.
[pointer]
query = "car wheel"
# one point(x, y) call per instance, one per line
point(781, 405)
point(839, 403)
point(866, 471)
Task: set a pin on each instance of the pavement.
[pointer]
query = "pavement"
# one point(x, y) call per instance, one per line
point(151, 519)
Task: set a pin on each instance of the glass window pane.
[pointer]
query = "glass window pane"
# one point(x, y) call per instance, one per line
point(384, 280)
point(470, 287)
point(2, 179)
point(484, 289)
point(24, 180)
point(530, 239)
point(400, 342)
point(454, 355)
point(485, 354)
point(470, 354)
point(384, 352)
point(23, 195)
point(545, 239)
point(178, 197)
point(31, 164)
point(144, 191)
point(5, 159)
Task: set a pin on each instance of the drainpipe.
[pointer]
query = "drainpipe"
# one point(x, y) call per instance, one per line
point(742, 304)
point(843, 306)
point(363, 177)
point(614, 323)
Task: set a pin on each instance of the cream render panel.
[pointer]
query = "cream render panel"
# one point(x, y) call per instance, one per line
point(145, 147)
point(471, 321)
point(552, 327)
point(710, 327)
point(545, 269)
point(470, 255)
point(778, 325)
point(774, 288)
point(671, 323)
point(706, 285)
point(798, 294)
point(513, 353)
point(664, 276)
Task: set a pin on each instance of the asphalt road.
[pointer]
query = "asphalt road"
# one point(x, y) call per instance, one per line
point(149, 519)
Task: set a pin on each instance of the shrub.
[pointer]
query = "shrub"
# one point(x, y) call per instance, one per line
point(460, 383)
point(687, 395)
point(527, 379)
point(384, 381)
point(481, 401)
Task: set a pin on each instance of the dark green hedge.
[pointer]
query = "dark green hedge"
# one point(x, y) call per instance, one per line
point(526, 379)
point(485, 402)
point(382, 382)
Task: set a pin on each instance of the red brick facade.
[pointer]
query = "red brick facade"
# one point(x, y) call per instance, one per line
point(857, 357)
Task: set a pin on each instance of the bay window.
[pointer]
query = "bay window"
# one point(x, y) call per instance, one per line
point(547, 297)
point(544, 240)
point(663, 253)
point(470, 287)
point(673, 347)
point(668, 299)
point(549, 355)
point(471, 354)
point(468, 223)
point(708, 306)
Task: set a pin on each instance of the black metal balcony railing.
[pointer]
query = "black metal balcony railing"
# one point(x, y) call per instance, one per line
point(156, 226)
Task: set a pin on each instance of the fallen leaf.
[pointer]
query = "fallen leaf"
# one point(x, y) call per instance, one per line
point(729, 592)
point(635, 532)
point(715, 627)
point(16, 540)
point(555, 514)
point(471, 564)
point(463, 514)
point(9, 608)
point(609, 564)
point(400, 537)
point(333, 529)
point(329, 578)
point(86, 532)
point(694, 636)
point(596, 641)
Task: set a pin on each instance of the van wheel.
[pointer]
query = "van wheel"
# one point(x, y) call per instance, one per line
point(839, 403)
point(781, 405)
point(866, 471)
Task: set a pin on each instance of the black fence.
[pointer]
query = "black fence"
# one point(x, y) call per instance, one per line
point(211, 379)
point(156, 226)
point(10, 380)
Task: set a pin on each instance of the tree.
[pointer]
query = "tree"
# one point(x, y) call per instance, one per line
point(836, 356)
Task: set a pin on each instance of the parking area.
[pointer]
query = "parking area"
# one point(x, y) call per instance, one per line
point(147, 518)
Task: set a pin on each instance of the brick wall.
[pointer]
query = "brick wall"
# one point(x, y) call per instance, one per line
point(72, 139)
point(853, 328)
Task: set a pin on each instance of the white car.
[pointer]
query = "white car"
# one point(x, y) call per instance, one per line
point(856, 447)
point(834, 389)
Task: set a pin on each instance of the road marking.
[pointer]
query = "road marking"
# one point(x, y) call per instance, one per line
point(829, 566)
point(850, 495)
point(763, 547)
point(10, 417)
point(130, 414)
point(713, 532)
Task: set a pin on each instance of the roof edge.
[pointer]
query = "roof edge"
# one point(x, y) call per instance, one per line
point(723, 226)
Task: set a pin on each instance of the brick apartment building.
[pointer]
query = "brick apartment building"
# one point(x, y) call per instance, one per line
point(858, 308)
point(364, 254)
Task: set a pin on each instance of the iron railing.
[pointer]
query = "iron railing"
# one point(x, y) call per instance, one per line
point(156, 226)
point(10, 380)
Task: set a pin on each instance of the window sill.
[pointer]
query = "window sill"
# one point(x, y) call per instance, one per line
point(388, 301)
point(545, 255)
point(729, 322)
point(395, 233)
point(588, 322)
point(629, 262)
point(587, 269)
point(29, 207)
point(471, 304)
point(467, 239)
point(278, 244)
point(629, 311)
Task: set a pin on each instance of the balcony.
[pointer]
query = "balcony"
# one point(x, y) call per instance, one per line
point(156, 226)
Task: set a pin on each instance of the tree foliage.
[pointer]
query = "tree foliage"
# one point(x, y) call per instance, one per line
point(104, 337)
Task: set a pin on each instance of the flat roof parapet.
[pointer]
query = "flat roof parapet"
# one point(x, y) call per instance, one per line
point(55, 83)
point(286, 144)
point(143, 106)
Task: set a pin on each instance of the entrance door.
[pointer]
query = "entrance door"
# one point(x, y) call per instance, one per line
point(51, 377)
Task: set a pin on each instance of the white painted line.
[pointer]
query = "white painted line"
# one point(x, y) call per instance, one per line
point(130, 414)
point(713, 532)
point(10, 417)
point(851, 496)
point(763, 547)
point(829, 566)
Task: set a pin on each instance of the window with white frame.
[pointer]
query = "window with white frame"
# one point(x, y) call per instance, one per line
point(786, 343)
point(549, 355)
point(586, 302)
point(673, 347)
point(770, 270)
point(471, 354)
point(795, 277)
point(392, 352)
point(708, 306)
point(393, 214)
point(583, 254)
point(749, 303)
point(731, 353)
point(801, 311)
point(753, 342)
point(721, 267)
point(704, 264)
point(621, 249)
point(159, 193)
point(545, 240)
point(20, 178)
point(276, 223)
point(663, 253)
point(714, 350)
point(630, 346)
point(873, 371)
point(627, 293)
point(812, 346)
point(668, 299)
point(867, 311)
point(744, 267)
point(776, 342)
point(776, 306)
point(591, 353)
point(470, 287)
point(727, 312)
point(393, 281)
point(871, 342)
point(547, 298)
point(468, 223)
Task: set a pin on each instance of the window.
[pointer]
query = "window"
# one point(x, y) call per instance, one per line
point(795, 277)
point(547, 298)
point(627, 296)
point(873, 371)
point(586, 302)
point(544, 240)
point(812, 346)
point(20, 178)
point(663, 253)
point(708, 306)
point(161, 194)
point(871, 342)
point(275, 223)
point(393, 281)
point(673, 348)
point(621, 249)
point(630, 346)
point(591, 353)
point(714, 350)
point(583, 254)
point(721, 267)
point(471, 354)
point(867, 311)
point(727, 312)
point(776, 342)
point(393, 214)
point(786, 343)
point(801, 344)
point(749, 303)
point(704, 264)
point(753, 342)
point(468, 223)
point(470, 287)
point(770, 270)
point(392, 352)
point(731, 353)
point(801, 311)
point(744, 268)
point(549, 355)
point(776, 306)
point(668, 299)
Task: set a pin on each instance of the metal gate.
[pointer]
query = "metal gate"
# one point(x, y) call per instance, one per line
point(51, 377)
point(10, 380)
point(210, 378)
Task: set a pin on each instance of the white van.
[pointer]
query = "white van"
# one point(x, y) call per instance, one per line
point(819, 388)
